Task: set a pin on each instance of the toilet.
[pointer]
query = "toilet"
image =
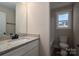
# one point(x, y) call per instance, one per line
point(63, 45)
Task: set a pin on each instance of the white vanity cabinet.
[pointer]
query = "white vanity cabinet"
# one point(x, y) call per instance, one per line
point(29, 49)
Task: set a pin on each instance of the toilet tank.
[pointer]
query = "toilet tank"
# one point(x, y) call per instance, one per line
point(63, 39)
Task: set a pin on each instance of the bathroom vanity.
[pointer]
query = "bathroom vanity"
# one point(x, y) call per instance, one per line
point(24, 46)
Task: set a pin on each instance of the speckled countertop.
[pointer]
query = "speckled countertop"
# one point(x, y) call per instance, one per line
point(9, 44)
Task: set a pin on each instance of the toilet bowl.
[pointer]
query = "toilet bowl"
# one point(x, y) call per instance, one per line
point(63, 53)
point(63, 45)
point(63, 42)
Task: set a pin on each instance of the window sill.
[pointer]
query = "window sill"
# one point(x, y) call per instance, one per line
point(63, 28)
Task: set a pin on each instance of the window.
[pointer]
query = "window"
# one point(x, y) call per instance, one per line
point(63, 19)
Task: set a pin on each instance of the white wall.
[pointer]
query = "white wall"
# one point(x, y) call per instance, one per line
point(61, 32)
point(52, 30)
point(21, 18)
point(76, 26)
point(76, 23)
point(39, 23)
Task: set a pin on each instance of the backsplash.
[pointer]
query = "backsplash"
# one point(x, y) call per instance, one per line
point(5, 37)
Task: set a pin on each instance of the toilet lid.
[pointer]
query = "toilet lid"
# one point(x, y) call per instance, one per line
point(64, 45)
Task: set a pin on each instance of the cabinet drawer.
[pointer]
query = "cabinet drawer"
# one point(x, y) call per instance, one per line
point(23, 49)
point(33, 52)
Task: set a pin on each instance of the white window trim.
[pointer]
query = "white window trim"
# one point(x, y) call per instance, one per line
point(69, 24)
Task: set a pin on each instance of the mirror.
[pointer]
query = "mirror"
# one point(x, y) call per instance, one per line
point(2, 23)
point(7, 18)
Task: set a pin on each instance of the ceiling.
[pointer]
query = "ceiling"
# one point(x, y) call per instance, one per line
point(11, 5)
point(52, 4)
point(58, 4)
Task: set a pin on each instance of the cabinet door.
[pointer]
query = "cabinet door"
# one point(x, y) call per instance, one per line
point(22, 50)
point(33, 52)
point(18, 52)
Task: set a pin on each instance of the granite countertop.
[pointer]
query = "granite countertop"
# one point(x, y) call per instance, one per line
point(8, 45)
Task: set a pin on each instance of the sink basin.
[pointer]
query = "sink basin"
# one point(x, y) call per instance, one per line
point(19, 41)
point(7, 44)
